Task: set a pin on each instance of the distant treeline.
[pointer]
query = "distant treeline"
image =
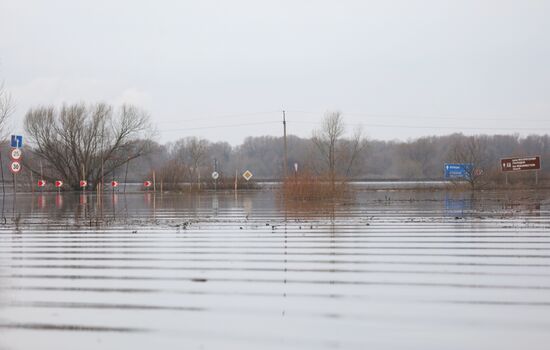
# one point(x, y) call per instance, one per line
point(422, 158)
point(99, 143)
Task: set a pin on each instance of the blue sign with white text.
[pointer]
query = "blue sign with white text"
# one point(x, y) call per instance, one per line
point(16, 141)
point(458, 171)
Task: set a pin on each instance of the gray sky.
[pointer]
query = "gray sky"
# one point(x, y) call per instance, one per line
point(403, 69)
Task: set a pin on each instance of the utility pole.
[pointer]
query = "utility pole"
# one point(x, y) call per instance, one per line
point(285, 160)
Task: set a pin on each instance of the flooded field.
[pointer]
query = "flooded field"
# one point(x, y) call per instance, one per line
point(394, 270)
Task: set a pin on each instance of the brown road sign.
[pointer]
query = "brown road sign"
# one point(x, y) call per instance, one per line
point(520, 163)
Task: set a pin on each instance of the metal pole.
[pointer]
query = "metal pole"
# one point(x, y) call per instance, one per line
point(536, 177)
point(285, 165)
point(2, 169)
point(126, 174)
point(215, 170)
point(41, 177)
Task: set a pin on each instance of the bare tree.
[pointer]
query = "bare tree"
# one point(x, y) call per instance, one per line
point(194, 151)
point(471, 151)
point(7, 107)
point(86, 142)
point(352, 150)
point(326, 138)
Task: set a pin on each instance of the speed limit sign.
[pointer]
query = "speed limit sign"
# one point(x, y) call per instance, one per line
point(15, 167)
point(16, 154)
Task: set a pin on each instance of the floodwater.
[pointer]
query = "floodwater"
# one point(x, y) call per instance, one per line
point(390, 270)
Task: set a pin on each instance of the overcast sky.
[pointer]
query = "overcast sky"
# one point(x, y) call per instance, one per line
point(225, 69)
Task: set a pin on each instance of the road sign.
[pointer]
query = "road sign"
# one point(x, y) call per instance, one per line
point(16, 141)
point(215, 175)
point(58, 183)
point(458, 171)
point(83, 183)
point(478, 172)
point(15, 167)
point(520, 163)
point(16, 154)
point(41, 183)
point(247, 175)
point(114, 183)
point(147, 183)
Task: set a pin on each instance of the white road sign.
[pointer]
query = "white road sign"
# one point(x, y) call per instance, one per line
point(15, 167)
point(215, 175)
point(247, 175)
point(16, 154)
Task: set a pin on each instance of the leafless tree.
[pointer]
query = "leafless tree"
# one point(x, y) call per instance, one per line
point(472, 152)
point(86, 141)
point(7, 107)
point(194, 151)
point(325, 140)
point(352, 150)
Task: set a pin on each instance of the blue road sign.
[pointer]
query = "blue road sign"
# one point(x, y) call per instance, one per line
point(16, 141)
point(458, 171)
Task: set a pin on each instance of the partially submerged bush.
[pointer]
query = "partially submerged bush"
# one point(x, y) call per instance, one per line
point(308, 187)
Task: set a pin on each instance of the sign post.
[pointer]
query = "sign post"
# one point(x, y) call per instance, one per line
point(458, 171)
point(15, 154)
point(519, 164)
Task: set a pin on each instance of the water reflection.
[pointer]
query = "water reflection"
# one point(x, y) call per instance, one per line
point(320, 275)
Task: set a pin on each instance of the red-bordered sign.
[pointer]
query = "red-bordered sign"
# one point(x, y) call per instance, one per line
point(148, 183)
point(114, 183)
point(41, 183)
point(58, 183)
point(16, 154)
point(83, 183)
point(15, 167)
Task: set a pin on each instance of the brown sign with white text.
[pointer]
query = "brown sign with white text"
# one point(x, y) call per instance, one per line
point(520, 163)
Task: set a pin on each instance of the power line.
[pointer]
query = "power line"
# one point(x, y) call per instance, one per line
point(223, 126)
point(416, 116)
point(218, 117)
point(396, 126)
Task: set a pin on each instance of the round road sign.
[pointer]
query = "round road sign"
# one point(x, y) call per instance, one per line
point(41, 183)
point(83, 183)
point(114, 183)
point(16, 154)
point(15, 167)
point(215, 175)
point(58, 183)
point(147, 183)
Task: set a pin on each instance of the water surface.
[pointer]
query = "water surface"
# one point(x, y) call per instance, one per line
point(390, 269)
